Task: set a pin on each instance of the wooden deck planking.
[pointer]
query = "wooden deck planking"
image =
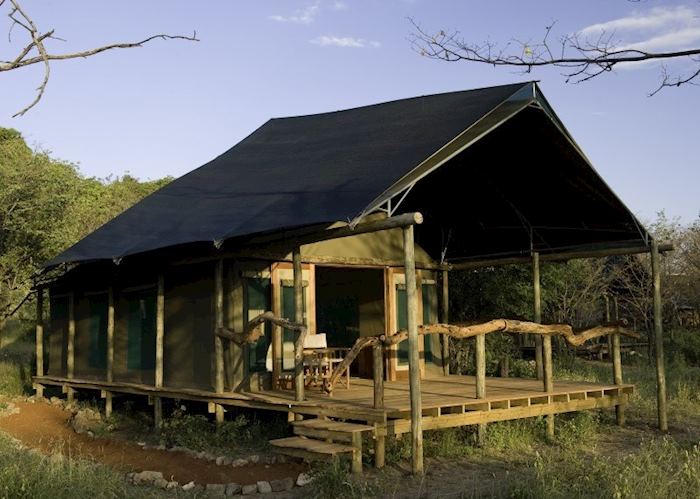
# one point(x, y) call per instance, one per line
point(456, 391)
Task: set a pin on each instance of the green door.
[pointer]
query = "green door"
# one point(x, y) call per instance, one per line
point(289, 312)
point(257, 301)
point(402, 322)
point(98, 331)
point(429, 292)
point(141, 330)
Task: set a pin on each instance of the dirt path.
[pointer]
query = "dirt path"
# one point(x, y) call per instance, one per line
point(45, 427)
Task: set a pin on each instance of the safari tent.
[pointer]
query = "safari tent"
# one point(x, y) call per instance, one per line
point(344, 224)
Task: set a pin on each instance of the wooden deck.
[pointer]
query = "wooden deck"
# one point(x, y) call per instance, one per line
point(447, 400)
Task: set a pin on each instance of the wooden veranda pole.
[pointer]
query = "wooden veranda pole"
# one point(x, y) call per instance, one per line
point(537, 312)
point(617, 376)
point(658, 338)
point(378, 379)
point(413, 357)
point(218, 341)
point(445, 319)
point(110, 349)
point(38, 387)
point(544, 349)
point(299, 319)
point(160, 325)
point(480, 352)
point(70, 348)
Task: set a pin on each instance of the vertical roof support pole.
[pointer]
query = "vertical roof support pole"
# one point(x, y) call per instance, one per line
point(39, 388)
point(445, 319)
point(218, 341)
point(299, 319)
point(413, 358)
point(70, 348)
point(537, 312)
point(158, 377)
point(110, 349)
point(658, 338)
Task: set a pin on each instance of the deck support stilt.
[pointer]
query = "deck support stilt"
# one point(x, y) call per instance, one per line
point(480, 382)
point(299, 319)
point(413, 357)
point(218, 342)
point(378, 382)
point(617, 376)
point(543, 347)
point(70, 348)
point(110, 349)
point(445, 319)
point(537, 312)
point(160, 327)
point(39, 389)
point(658, 338)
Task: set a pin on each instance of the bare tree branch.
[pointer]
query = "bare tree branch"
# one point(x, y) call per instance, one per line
point(35, 51)
point(581, 59)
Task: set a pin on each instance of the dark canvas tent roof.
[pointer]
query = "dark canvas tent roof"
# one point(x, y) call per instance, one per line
point(336, 166)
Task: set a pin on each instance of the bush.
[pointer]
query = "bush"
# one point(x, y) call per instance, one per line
point(333, 480)
point(196, 432)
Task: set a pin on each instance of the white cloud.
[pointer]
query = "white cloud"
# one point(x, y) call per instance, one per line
point(659, 29)
point(338, 5)
point(302, 16)
point(656, 18)
point(344, 41)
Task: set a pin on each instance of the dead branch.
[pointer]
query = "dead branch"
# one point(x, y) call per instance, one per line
point(360, 343)
point(255, 329)
point(35, 52)
point(581, 59)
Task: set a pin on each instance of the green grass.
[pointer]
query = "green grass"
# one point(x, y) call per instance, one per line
point(24, 474)
point(332, 480)
point(661, 468)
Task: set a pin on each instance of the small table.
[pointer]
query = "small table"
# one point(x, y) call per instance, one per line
point(321, 362)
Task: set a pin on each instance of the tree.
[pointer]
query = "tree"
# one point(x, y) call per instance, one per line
point(45, 206)
point(582, 58)
point(36, 52)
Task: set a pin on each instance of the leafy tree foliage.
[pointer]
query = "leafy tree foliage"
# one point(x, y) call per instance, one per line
point(45, 206)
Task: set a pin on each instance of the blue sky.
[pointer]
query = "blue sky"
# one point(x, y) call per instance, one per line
point(171, 106)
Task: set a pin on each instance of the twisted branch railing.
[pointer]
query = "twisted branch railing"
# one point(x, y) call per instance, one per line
point(469, 331)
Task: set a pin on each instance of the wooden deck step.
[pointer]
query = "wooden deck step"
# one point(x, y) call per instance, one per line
point(336, 431)
point(309, 448)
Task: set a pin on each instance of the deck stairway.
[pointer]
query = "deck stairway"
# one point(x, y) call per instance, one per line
point(318, 439)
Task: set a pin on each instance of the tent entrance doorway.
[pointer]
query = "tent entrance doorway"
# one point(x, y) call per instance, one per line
point(350, 304)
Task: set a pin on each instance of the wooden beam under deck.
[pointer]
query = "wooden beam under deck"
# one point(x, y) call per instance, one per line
point(447, 401)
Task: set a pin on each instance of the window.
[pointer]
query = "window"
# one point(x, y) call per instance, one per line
point(256, 301)
point(402, 322)
point(98, 331)
point(141, 330)
point(429, 292)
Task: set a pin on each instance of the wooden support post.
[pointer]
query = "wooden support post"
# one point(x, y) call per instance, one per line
point(617, 376)
point(299, 319)
point(70, 348)
point(480, 352)
point(110, 349)
point(413, 358)
point(445, 319)
point(658, 338)
point(607, 320)
point(218, 341)
point(378, 379)
point(537, 312)
point(548, 379)
point(158, 378)
point(357, 452)
point(39, 388)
